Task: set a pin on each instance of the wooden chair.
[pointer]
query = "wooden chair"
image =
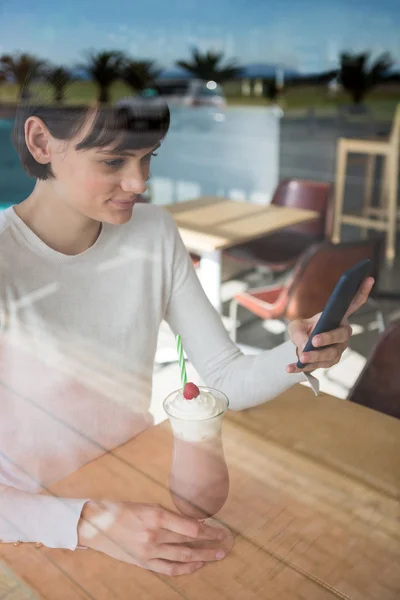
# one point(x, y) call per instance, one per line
point(386, 214)
point(311, 284)
point(378, 386)
point(280, 251)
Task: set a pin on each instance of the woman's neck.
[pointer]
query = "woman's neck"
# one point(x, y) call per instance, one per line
point(57, 224)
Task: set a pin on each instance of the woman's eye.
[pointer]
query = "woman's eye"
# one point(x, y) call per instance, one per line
point(115, 163)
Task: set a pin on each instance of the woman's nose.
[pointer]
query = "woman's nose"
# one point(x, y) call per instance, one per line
point(135, 184)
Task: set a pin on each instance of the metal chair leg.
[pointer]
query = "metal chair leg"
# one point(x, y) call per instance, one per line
point(381, 321)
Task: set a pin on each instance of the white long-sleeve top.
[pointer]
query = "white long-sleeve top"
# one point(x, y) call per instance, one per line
point(78, 336)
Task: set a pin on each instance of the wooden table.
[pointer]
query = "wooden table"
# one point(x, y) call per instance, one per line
point(209, 225)
point(314, 503)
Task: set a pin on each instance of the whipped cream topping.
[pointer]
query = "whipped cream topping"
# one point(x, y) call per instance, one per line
point(205, 406)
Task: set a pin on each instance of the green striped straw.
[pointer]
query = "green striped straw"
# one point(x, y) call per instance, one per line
point(181, 359)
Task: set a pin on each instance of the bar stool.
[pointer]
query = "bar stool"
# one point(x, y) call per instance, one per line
point(386, 214)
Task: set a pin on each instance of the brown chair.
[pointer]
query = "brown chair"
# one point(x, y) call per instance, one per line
point(311, 284)
point(384, 217)
point(279, 251)
point(378, 386)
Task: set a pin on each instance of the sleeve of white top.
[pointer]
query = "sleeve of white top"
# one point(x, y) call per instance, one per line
point(246, 380)
point(49, 520)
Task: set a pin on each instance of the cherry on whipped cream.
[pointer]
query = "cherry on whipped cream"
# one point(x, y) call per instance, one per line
point(191, 391)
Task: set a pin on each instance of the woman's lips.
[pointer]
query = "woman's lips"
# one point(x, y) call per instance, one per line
point(125, 204)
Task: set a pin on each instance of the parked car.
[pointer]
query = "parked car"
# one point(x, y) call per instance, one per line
point(194, 103)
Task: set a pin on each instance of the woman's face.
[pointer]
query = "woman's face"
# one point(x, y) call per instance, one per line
point(98, 183)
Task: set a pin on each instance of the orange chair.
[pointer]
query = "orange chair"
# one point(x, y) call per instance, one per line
point(311, 284)
point(279, 251)
point(378, 386)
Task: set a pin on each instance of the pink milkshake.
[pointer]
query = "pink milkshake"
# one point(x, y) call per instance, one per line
point(199, 478)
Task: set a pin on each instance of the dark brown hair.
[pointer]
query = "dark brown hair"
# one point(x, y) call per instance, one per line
point(133, 123)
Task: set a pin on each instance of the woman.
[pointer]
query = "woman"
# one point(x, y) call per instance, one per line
point(87, 275)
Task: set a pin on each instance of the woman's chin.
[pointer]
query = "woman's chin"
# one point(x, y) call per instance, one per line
point(118, 216)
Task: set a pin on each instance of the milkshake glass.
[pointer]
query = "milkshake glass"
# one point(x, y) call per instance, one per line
point(199, 478)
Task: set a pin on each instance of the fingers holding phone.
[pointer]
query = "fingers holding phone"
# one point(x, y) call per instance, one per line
point(321, 340)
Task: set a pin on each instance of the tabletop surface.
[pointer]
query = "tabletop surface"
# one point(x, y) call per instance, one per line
point(213, 223)
point(314, 505)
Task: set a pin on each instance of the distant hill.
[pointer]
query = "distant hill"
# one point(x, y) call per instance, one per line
point(266, 71)
point(252, 71)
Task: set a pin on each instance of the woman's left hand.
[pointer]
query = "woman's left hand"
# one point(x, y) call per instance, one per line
point(336, 341)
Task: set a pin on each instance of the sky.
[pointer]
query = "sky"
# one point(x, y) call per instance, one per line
point(303, 34)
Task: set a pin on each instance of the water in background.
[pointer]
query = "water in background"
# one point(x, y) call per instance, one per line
point(15, 185)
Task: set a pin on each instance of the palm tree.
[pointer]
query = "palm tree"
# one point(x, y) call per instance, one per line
point(138, 73)
point(358, 76)
point(104, 68)
point(58, 78)
point(23, 68)
point(208, 66)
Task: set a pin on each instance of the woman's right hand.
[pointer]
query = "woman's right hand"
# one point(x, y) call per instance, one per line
point(147, 535)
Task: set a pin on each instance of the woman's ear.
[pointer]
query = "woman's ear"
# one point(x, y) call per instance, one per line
point(37, 138)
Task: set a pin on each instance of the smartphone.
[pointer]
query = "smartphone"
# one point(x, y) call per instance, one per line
point(339, 302)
